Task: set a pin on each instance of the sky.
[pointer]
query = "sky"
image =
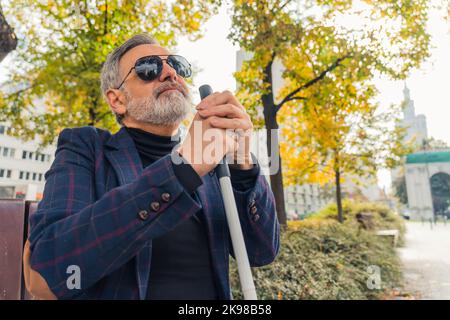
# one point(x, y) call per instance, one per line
point(213, 54)
point(215, 58)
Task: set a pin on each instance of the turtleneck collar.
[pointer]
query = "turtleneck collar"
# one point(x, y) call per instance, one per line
point(150, 146)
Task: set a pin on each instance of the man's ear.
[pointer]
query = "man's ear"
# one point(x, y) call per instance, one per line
point(116, 100)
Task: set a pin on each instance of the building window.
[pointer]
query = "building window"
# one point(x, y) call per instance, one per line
point(34, 176)
point(27, 176)
point(21, 175)
point(36, 157)
point(7, 152)
point(2, 129)
point(2, 172)
point(24, 154)
point(48, 158)
point(8, 173)
point(42, 157)
point(30, 155)
point(40, 176)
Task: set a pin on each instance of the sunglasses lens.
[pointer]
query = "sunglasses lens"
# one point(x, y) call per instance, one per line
point(181, 65)
point(148, 69)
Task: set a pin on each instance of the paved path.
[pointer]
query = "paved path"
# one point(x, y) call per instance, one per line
point(426, 260)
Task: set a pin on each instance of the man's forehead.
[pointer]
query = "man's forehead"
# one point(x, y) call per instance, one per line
point(129, 58)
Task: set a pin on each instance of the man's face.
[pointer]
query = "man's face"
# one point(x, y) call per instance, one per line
point(163, 101)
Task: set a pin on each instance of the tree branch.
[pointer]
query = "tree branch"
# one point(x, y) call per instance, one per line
point(282, 6)
point(102, 115)
point(18, 92)
point(322, 75)
point(105, 29)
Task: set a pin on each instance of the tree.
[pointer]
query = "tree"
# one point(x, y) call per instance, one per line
point(350, 134)
point(312, 41)
point(400, 190)
point(54, 77)
point(433, 144)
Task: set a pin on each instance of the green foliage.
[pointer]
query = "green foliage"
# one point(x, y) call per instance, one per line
point(433, 144)
point(54, 76)
point(331, 52)
point(329, 261)
point(305, 37)
point(323, 259)
point(382, 216)
point(400, 190)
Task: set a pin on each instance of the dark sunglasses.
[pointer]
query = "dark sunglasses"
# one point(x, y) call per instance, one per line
point(150, 67)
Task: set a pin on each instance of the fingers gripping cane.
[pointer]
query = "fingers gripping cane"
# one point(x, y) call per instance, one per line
point(234, 225)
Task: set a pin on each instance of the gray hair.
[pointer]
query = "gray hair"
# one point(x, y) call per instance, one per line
point(109, 76)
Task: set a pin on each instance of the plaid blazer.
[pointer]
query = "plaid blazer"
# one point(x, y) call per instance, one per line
point(97, 214)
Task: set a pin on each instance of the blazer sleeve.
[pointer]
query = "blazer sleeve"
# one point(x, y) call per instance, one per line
point(260, 227)
point(73, 228)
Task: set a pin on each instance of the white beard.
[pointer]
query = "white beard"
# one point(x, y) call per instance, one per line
point(169, 108)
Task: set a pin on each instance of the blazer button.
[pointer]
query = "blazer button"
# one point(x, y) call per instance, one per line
point(252, 203)
point(256, 217)
point(143, 214)
point(165, 197)
point(253, 209)
point(155, 206)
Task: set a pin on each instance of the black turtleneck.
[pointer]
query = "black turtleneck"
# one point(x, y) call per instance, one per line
point(151, 147)
point(181, 260)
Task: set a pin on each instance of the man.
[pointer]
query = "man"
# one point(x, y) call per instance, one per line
point(121, 219)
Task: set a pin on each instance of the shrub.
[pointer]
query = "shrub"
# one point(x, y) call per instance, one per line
point(323, 259)
point(383, 217)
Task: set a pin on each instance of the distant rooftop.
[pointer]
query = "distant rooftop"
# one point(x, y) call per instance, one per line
point(428, 157)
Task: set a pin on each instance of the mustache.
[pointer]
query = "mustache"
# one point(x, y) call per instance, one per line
point(170, 85)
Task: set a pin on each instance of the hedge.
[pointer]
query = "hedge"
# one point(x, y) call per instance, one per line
point(323, 259)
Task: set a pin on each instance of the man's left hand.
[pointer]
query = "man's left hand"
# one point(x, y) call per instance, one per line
point(226, 112)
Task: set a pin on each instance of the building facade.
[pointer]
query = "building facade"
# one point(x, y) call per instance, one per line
point(22, 166)
point(415, 125)
point(305, 199)
point(420, 168)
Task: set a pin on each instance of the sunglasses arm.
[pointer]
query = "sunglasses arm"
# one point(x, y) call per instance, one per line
point(125, 78)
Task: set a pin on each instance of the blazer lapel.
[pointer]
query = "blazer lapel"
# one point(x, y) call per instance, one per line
point(123, 156)
point(125, 160)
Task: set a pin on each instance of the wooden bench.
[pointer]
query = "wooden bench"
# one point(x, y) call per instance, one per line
point(394, 234)
point(14, 214)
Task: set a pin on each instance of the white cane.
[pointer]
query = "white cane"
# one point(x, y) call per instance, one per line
point(234, 225)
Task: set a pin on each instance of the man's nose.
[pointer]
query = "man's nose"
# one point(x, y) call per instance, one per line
point(168, 73)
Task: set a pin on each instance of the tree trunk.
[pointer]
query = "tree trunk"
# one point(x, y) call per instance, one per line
point(276, 180)
point(93, 113)
point(337, 174)
point(273, 149)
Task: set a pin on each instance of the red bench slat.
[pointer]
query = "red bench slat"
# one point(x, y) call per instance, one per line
point(12, 220)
